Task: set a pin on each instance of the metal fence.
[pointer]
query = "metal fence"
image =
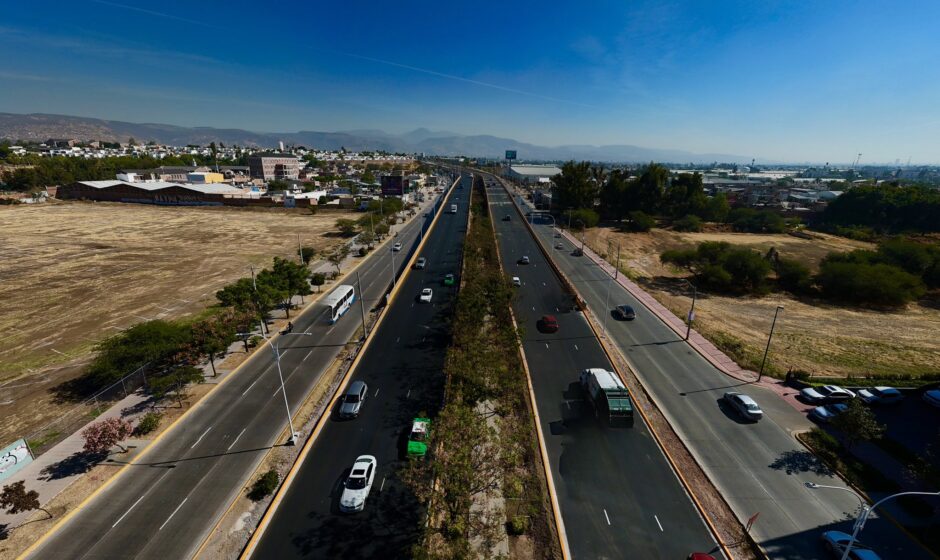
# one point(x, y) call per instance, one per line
point(67, 423)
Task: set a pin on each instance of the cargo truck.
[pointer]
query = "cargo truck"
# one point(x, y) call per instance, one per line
point(609, 396)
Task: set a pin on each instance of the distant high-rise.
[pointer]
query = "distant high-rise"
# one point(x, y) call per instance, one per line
point(281, 145)
point(273, 166)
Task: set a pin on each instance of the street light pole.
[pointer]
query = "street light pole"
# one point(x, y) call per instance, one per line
point(362, 307)
point(769, 338)
point(610, 280)
point(865, 511)
point(290, 421)
point(691, 317)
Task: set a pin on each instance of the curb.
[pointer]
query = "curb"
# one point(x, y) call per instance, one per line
point(308, 445)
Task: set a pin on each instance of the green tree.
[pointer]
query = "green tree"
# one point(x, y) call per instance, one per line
point(318, 279)
point(338, 255)
point(793, 276)
point(646, 192)
point(881, 285)
point(717, 208)
point(688, 222)
point(685, 196)
point(613, 195)
point(584, 218)
point(640, 221)
point(306, 254)
point(16, 499)
point(212, 335)
point(294, 277)
point(857, 423)
point(347, 227)
point(575, 187)
point(155, 342)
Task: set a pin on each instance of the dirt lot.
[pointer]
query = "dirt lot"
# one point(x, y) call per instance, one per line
point(74, 273)
point(810, 335)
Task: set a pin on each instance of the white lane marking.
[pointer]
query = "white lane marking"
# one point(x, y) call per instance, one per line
point(558, 310)
point(236, 439)
point(200, 437)
point(276, 391)
point(307, 356)
point(607, 517)
point(546, 345)
point(128, 511)
point(543, 283)
point(658, 523)
point(397, 339)
point(250, 386)
point(382, 485)
point(409, 394)
point(533, 309)
point(576, 347)
point(172, 514)
point(376, 392)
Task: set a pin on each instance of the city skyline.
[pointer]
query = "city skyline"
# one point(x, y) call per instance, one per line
point(771, 82)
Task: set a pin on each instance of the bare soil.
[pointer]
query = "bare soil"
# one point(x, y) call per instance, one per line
point(810, 335)
point(75, 273)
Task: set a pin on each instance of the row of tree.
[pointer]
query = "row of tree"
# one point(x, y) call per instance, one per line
point(898, 272)
point(886, 209)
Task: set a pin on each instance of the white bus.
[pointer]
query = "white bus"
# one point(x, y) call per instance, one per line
point(339, 302)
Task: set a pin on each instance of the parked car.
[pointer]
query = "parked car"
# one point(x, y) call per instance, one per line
point(358, 484)
point(352, 399)
point(826, 394)
point(397, 246)
point(421, 263)
point(548, 324)
point(516, 281)
point(932, 397)
point(836, 541)
point(449, 279)
point(426, 295)
point(743, 405)
point(624, 312)
point(826, 413)
point(880, 395)
point(524, 260)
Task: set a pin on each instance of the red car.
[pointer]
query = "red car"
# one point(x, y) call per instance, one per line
point(548, 324)
point(700, 556)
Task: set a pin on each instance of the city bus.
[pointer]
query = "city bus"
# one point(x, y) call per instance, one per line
point(339, 302)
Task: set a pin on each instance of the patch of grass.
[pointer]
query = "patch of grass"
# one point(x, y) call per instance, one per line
point(43, 439)
point(746, 356)
point(264, 486)
point(835, 456)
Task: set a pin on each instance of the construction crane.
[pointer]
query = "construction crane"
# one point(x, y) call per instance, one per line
point(854, 165)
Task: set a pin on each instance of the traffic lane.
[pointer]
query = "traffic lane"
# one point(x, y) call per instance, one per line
point(598, 520)
point(399, 368)
point(143, 504)
point(769, 476)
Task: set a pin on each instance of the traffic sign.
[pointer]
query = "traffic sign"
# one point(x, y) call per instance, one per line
point(510, 154)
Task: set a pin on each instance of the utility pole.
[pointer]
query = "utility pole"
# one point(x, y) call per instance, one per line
point(691, 317)
point(255, 286)
point(300, 250)
point(769, 338)
point(617, 270)
point(362, 307)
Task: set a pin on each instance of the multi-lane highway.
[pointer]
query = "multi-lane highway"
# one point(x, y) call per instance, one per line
point(164, 505)
point(759, 468)
point(618, 495)
point(403, 368)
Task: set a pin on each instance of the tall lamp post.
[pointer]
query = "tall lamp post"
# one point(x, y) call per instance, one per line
point(277, 358)
point(769, 338)
point(691, 317)
point(583, 228)
point(865, 510)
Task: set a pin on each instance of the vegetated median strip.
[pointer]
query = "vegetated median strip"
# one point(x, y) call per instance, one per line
point(736, 538)
point(180, 420)
point(265, 520)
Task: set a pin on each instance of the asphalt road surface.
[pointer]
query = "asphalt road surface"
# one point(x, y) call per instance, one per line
point(165, 506)
point(619, 496)
point(758, 467)
point(403, 368)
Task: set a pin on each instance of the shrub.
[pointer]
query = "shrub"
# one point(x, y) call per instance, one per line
point(640, 221)
point(518, 525)
point(264, 486)
point(585, 215)
point(793, 276)
point(868, 284)
point(688, 223)
point(756, 221)
point(148, 423)
point(363, 251)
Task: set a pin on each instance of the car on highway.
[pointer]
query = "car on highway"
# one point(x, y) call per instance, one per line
point(516, 281)
point(449, 279)
point(559, 245)
point(397, 246)
point(506, 218)
point(358, 484)
point(880, 395)
point(547, 324)
point(932, 397)
point(524, 259)
point(826, 394)
point(624, 312)
point(418, 437)
point(743, 405)
point(426, 295)
point(421, 263)
point(835, 543)
point(827, 412)
point(578, 252)
point(352, 399)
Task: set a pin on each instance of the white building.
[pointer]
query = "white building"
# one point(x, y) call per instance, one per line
point(531, 173)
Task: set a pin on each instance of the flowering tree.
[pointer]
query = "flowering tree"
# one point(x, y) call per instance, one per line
point(102, 436)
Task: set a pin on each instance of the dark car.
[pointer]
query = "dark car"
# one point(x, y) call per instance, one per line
point(624, 313)
point(352, 399)
point(548, 324)
point(506, 218)
point(523, 260)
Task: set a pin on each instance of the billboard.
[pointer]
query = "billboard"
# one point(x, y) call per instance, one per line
point(510, 154)
point(13, 458)
point(393, 185)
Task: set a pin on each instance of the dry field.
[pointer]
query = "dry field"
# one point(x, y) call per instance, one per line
point(810, 335)
point(74, 273)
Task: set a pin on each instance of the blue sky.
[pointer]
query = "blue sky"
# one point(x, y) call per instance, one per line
point(794, 81)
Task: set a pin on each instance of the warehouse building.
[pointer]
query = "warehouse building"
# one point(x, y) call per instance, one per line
point(532, 174)
point(158, 192)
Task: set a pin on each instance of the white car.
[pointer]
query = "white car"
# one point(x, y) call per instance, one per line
point(426, 295)
point(396, 247)
point(516, 281)
point(880, 395)
point(826, 394)
point(827, 413)
point(358, 484)
point(932, 397)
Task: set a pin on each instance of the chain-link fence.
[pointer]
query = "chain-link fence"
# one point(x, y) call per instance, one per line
point(44, 438)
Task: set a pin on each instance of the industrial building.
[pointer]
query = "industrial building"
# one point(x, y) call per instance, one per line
point(169, 194)
point(270, 166)
point(532, 174)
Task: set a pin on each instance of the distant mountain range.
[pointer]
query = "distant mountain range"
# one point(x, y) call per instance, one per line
point(40, 127)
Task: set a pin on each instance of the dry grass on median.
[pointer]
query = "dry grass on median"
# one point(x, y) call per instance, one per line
point(819, 338)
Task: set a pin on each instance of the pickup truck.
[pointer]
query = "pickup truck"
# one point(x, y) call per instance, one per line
point(609, 396)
